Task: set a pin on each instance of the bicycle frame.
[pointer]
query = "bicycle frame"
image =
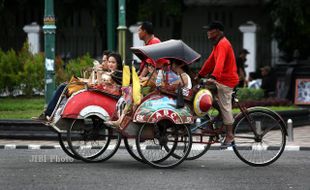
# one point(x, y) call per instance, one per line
point(243, 112)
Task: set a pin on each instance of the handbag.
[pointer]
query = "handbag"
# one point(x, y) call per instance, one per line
point(74, 85)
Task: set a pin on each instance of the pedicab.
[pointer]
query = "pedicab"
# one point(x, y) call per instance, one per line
point(83, 113)
point(163, 118)
point(260, 133)
point(157, 126)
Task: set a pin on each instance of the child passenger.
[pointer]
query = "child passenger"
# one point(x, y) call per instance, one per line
point(184, 80)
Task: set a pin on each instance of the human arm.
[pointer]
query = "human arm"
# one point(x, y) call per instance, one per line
point(220, 56)
point(207, 66)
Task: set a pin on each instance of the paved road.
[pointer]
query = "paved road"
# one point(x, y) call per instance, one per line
point(21, 169)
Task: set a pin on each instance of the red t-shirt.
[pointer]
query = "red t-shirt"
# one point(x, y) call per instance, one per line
point(222, 64)
point(154, 40)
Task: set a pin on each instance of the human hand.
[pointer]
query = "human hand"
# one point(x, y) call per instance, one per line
point(197, 77)
point(210, 81)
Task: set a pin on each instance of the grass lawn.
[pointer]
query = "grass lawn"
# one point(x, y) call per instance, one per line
point(25, 108)
point(21, 108)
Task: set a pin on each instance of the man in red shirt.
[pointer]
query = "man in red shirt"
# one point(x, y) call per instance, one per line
point(146, 33)
point(221, 65)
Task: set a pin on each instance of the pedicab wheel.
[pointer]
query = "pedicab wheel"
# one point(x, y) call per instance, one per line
point(65, 147)
point(132, 150)
point(198, 149)
point(91, 140)
point(153, 139)
point(201, 143)
point(265, 147)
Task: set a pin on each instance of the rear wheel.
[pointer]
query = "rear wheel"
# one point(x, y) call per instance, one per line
point(201, 142)
point(132, 150)
point(92, 141)
point(62, 138)
point(264, 147)
point(157, 142)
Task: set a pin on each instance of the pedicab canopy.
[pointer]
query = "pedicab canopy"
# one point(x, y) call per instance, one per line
point(157, 107)
point(171, 49)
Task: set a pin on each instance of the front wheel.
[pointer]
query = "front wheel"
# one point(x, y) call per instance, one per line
point(157, 143)
point(132, 149)
point(201, 142)
point(62, 139)
point(261, 144)
point(91, 140)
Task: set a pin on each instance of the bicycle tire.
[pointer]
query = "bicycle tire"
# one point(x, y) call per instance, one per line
point(199, 149)
point(80, 131)
point(65, 147)
point(130, 149)
point(256, 150)
point(151, 145)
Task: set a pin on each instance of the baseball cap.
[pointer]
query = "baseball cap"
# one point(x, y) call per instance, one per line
point(214, 25)
point(245, 51)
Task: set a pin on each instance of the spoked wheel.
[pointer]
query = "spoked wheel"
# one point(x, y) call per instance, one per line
point(157, 142)
point(201, 143)
point(132, 150)
point(92, 141)
point(62, 138)
point(264, 147)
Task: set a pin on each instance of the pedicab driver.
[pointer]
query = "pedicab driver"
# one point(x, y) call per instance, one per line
point(221, 66)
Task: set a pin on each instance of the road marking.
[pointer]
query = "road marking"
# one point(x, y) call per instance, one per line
point(34, 146)
point(143, 147)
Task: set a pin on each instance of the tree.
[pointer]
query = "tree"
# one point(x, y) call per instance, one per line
point(141, 10)
point(291, 20)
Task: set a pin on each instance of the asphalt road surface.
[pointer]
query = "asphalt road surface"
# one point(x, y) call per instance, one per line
point(52, 169)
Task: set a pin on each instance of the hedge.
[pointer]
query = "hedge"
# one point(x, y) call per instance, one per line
point(23, 73)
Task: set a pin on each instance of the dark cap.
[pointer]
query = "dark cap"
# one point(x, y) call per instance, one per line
point(245, 51)
point(214, 25)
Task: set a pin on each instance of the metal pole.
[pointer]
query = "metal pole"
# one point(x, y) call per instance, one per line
point(258, 127)
point(122, 28)
point(111, 24)
point(290, 130)
point(49, 29)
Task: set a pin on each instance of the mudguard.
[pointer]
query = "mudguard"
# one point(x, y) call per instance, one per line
point(158, 107)
point(85, 103)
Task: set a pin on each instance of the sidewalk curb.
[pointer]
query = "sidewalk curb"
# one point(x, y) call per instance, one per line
point(45, 147)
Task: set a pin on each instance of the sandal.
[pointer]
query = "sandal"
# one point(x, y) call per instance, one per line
point(227, 144)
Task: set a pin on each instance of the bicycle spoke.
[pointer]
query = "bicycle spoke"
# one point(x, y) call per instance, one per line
point(264, 148)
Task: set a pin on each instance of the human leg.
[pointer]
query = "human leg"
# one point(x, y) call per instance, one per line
point(52, 104)
point(224, 98)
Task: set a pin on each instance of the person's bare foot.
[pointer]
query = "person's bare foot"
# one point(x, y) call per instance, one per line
point(228, 142)
point(228, 139)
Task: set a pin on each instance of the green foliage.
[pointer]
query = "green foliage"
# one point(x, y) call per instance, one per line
point(24, 71)
point(292, 26)
point(10, 68)
point(60, 74)
point(250, 94)
point(21, 70)
point(77, 66)
point(33, 75)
